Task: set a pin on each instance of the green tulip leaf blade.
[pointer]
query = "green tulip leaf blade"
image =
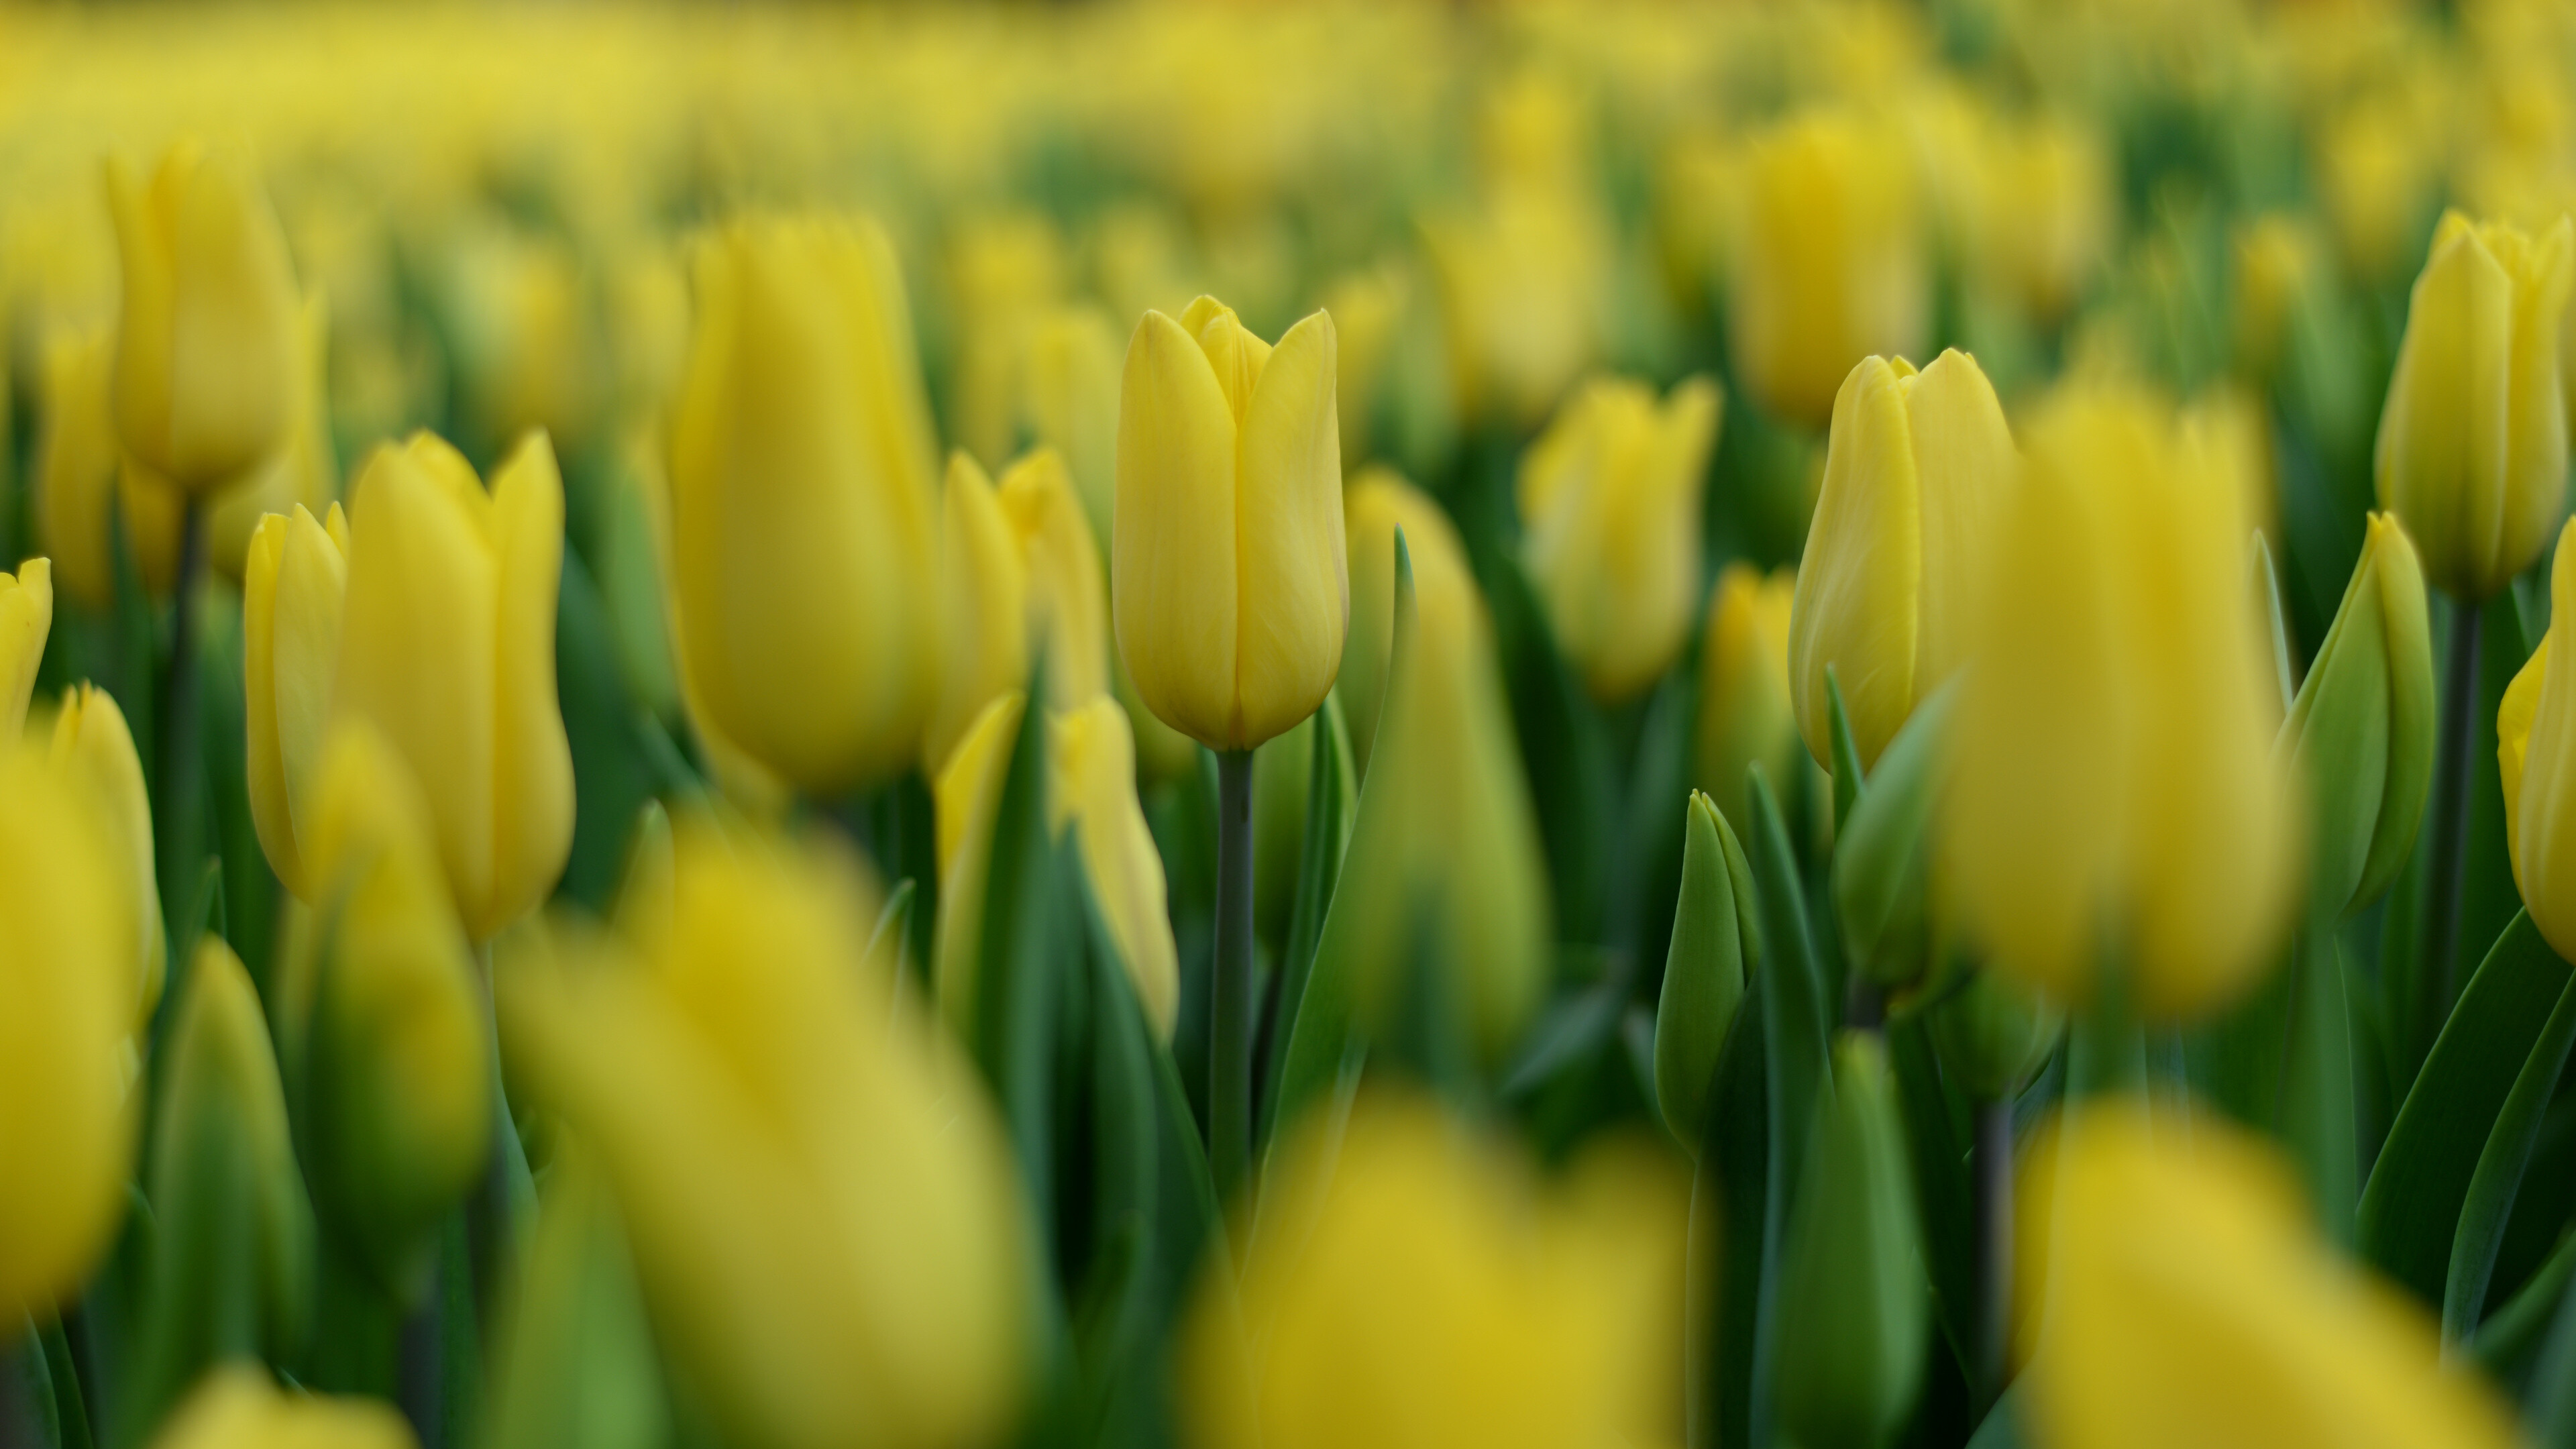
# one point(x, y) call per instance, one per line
point(1848, 783)
point(1730, 1270)
point(2410, 1210)
point(2499, 1175)
point(1013, 1028)
point(1943, 1189)
point(1565, 747)
point(1331, 808)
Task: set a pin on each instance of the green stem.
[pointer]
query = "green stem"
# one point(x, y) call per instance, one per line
point(419, 1375)
point(1230, 997)
point(2450, 826)
point(487, 1212)
point(174, 796)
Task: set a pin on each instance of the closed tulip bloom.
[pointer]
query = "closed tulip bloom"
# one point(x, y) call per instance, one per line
point(82, 474)
point(206, 330)
point(1610, 510)
point(1717, 943)
point(237, 1407)
point(1992, 1034)
point(2174, 1292)
point(1019, 581)
point(802, 509)
point(304, 474)
point(294, 584)
point(1069, 402)
point(1092, 791)
point(447, 647)
point(1828, 265)
point(93, 748)
point(965, 796)
point(1379, 503)
point(2361, 728)
point(2536, 748)
point(26, 618)
point(380, 1018)
point(2110, 759)
point(1227, 567)
point(2472, 451)
point(825, 1218)
point(1914, 469)
point(1745, 715)
point(66, 970)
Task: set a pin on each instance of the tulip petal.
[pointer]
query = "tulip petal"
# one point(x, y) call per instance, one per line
point(983, 610)
point(532, 779)
point(1862, 576)
point(1176, 583)
point(1294, 587)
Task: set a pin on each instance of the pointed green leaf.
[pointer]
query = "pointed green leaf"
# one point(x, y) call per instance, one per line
point(2498, 1178)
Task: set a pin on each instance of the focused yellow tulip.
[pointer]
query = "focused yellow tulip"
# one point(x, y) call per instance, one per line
point(82, 473)
point(1827, 267)
point(294, 584)
point(447, 647)
point(1019, 580)
point(1610, 499)
point(825, 1217)
point(26, 618)
point(2536, 748)
point(802, 509)
point(2111, 761)
point(1914, 469)
point(205, 341)
point(1380, 502)
point(1745, 713)
point(2472, 450)
point(380, 1017)
point(304, 474)
point(1227, 565)
point(237, 1407)
point(93, 748)
point(1069, 402)
point(67, 972)
point(2174, 1293)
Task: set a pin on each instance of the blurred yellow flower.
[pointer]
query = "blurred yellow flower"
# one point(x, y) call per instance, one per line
point(1091, 789)
point(1019, 581)
point(93, 748)
point(293, 586)
point(2536, 748)
point(1069, 402)
point(237, 1407)
point(26, 619)
point(304, 474)
point(82, 473)
point(1745, 714)
point(1377, 504)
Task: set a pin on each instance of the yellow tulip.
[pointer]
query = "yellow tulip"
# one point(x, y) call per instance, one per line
point(1018, 569)
point(1913, 470)
point(1411, 1297)
point(1745, 716)
point(1523, 286)
point(205, 343)
point(1091, 760)
point(2536, 748)
point(1610, 501)
point(2048, 214)
point(1069, 402)
point(1002, 272)
point(2472, 451)
point(93, 748)
point(1380, 502)
point(304, 474)
point(236, 1407)
point(2111, 760)
point(965, 797)
point(802, 513)
point(1227, 564)
point(82, 472)
point(2175, 1293)
point(380, 1017)
point(825, 1218)
point(295, 577)
point(1827, 267)
point(447, 646)
point(524, 344)
point(26, 618)
point(2279, 261)
point(1368, 311)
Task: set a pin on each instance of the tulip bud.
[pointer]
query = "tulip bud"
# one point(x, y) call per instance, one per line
point(294, 579)
point(1444, 851)
point(802, 515)
point(447, 647)
point(93, 747)
point(2110, 764)
point(1914, 469)
point(380, 1018)
point(67, 974)
point(1367, 308)
point(2048, 213)
point(1002, 269)
point(524, 349)
point(2472, 452)
point(1882, 856)
point(82, 474)
point(1092, 791)
point(1745, 717)
point(1019, 577)
point(1227, 567)
point(232, 1258)
point(1717, 943)
point(826, 1223)
point(2535, 748)
point(2174, 1291)
point(1610, 508)
point(1828, 267)
point(26, 618)
point(236, 1407)
point(1069, 402)
point(574, 1366)
point(2361, 728)
point(1523, 288)
point(304, 474)
point(205, 340)
point(1379, 503)
point(1991, 1034)
point(2279, 262)
point(1854, 1309)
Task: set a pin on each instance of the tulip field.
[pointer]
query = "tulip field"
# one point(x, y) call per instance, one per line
point(1642, 725)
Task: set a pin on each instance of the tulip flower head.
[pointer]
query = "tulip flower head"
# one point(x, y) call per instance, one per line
point(1227, 567)
point(305, 473)
point(236, 1407)
point(93, 748)
point(1610, 507)
point(1020, 581)
point(1914, 467)
point(1379, 503)
point(2536, 748)
point(2472, 450)
point(82, 473)
point(26, 618)
point(294, 586)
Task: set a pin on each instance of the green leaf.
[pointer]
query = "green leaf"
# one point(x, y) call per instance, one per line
point(2551, 1418)
point(1942, 1185)
point(2410, 1210)
point(71, 1411)
point(2002, 1428)
point(1734, 1238)
point(1565, 747)
point(1018, 965)
point(2316, 1118)
point(1332, 801)
point(2498, 1179)
point(1793, 1055)
point(1847, 771)
point(2505, 1343)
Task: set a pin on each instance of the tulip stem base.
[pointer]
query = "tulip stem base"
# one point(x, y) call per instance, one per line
point(1990, 1163)
point(2449, 823)
point(1230, 993)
